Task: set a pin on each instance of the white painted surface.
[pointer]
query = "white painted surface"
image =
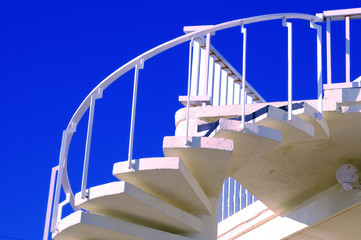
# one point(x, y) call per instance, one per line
point(347, 37)
point(224, 87)
point(124, 201)
point(195, 68)
point(211, 77)
point(335, 130)
point(206, 158)
point(159, 176)
point(82, 225)
point(331, 214)
point(217, 85)
point(230, 91)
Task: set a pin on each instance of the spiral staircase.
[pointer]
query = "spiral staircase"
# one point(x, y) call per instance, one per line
point(283, 152)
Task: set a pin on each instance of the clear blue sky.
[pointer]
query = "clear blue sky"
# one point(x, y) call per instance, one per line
point(52, 54)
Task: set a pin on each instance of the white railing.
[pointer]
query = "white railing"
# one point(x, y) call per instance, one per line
point(224, 88)
point(339, 15)
point(234, 198)
point(137, 63)
point(223, 80)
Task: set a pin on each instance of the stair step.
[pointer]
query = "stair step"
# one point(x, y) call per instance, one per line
point(276, 117)
point(168, 179)
point(310, 114)
point(250, 143)
point(296, 129)
point(85, 225)
point(206, 158)
point(124, 201)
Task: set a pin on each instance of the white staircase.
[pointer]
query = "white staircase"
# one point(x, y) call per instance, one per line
point(161, 197)
point(275, 150)
point(178, 194)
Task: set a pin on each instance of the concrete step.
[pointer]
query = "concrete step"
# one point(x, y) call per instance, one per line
point(124, 201)
point(275, 116)
point(85, 225)
point(311, 115)
point(206, 158)
point(250, 142)
point(293, 130)
point(168, 179)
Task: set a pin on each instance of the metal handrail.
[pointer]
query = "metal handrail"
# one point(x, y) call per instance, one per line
point(138, 61)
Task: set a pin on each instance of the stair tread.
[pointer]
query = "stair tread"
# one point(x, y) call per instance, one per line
point(166, 178)
point(206, 158)
point(309, 113)
point(85, 225)
point(247, 141)
point(124, 201)
point(276, 117)
point(296, 129)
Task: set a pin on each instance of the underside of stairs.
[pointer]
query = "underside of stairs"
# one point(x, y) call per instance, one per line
point(171, 197)
point(282, 162)
point(177, 195)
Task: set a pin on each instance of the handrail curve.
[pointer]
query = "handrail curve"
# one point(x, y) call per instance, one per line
point(140, 60)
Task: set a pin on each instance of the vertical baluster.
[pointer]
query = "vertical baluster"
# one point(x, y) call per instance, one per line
point(220, 205)
point(224, 87)
point(249, 99)
point(243, 197)
point(231, 196)
point(237, 93)
point(211, 78)
point(206, 64)
point(226, 198)
point(217, 84)
point(237, 196)
point(289, 47)
point(189, 87)
point(54, 170)
point(347, 30)
point(196, 54)
point(328, 42)
point(202, 65)
point(88, 141)
point(132, 121)
point(319, 67)
point(243, 94)
point(230, 91)
point(250, 198)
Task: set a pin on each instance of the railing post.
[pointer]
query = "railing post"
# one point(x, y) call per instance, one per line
point(54, 170)
point(140, 65)
point(196, 59)
point(319, 67)
point(95, 96)
point(289, 33)
point(347, 30)
point(206, 65)
point(243, 92)
point(328, 43)
point(189, 87)
point(62, 164)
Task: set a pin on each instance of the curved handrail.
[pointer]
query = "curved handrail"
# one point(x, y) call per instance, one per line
point(63, 176)
point(172, 43)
